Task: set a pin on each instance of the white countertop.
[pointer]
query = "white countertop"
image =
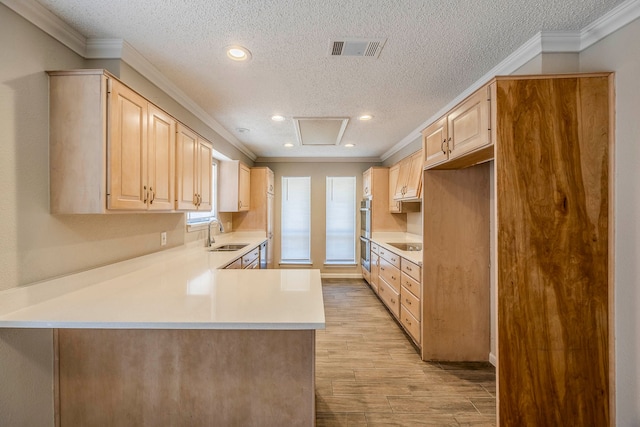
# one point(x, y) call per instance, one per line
point(181, 288)
point(385, 238)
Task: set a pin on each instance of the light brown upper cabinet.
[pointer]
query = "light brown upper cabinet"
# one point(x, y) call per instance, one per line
point(260, 217)
point(194, 171)
point(464, 129)
point(234, 191)
point(409, 178)
point(395, 206)
point(366, 184)
point(110, 149)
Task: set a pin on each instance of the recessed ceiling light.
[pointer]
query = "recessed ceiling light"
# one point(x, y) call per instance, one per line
point(288, 145)
point(277, 118)
point(349, 145)
point(238, 53)
point(242, 130)
point(365, 117)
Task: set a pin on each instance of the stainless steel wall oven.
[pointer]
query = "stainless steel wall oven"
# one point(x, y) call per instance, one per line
point(365, 234)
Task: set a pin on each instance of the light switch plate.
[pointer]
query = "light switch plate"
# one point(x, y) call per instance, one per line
point(163, 238)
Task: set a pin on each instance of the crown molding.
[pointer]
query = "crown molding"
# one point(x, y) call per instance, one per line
point(42, 18)
point(150, 72)
point(97, 48)
point(375, 160)
point(543, 42)
point(104, 48)
point(609, 23)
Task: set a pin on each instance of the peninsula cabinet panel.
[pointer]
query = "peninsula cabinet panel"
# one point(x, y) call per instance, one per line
point(553, 181)
point(176, 377)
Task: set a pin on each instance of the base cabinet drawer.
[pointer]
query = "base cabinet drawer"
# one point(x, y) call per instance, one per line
point(410, 302)
point(410, 323)
point(253, 265)
point(235, 264)
point(411, 269)
point(390, 273)
point(410, 284)
point(389, 296)
point(391, 257)
point(249, 258)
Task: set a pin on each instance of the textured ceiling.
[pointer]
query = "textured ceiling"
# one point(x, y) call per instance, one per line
point(434, 51)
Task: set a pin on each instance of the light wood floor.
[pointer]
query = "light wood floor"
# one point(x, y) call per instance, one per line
point(369, 374)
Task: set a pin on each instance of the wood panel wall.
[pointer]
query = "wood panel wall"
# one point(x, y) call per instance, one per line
point(552, 162)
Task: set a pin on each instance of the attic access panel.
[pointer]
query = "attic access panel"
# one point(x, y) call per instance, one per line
point(319, 131)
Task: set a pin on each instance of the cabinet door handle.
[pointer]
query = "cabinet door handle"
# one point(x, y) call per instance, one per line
point(153, 195)
point(444, 141)
point(146, 194)
point(366, 190)
point(449, 145)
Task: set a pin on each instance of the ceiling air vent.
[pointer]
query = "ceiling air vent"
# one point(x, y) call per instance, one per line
point(356, 47)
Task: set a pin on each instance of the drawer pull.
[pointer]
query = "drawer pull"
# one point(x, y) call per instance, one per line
point(393, 301)
point(408, 321)
point(407, 300)
point(393, 277)
point(408, 268)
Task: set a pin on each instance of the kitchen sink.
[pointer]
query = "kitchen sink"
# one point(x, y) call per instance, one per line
point(229, 248)
point(409, 247)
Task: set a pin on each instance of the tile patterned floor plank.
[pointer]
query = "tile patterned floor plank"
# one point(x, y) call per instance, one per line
point(368, 373)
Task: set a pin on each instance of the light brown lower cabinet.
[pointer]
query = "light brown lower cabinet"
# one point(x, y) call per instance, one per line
point(398, 287)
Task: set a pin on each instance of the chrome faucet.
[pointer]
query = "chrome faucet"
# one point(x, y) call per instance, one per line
point(210, 239)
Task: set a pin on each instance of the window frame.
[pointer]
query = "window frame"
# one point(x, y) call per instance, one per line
point(329, 193)
point(200, 222)
point(284, 217)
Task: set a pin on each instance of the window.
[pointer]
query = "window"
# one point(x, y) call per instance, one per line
point(341, 220)
point(202, 217)
point(296, 220)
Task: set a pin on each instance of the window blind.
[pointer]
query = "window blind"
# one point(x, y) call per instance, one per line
point(296, 219)
point(341, 220)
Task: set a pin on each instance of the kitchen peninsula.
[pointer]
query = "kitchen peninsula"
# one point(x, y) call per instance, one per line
point(170, 338)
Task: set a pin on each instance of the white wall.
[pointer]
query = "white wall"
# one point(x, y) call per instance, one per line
point(620, 52)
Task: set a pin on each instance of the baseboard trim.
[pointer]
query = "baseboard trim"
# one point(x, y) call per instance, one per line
point(493, 359)
point(341, 275)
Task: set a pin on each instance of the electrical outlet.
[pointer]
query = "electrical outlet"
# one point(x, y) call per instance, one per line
point(163, 238)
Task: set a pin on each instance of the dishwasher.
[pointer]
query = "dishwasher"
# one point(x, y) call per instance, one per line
point(263, 255)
